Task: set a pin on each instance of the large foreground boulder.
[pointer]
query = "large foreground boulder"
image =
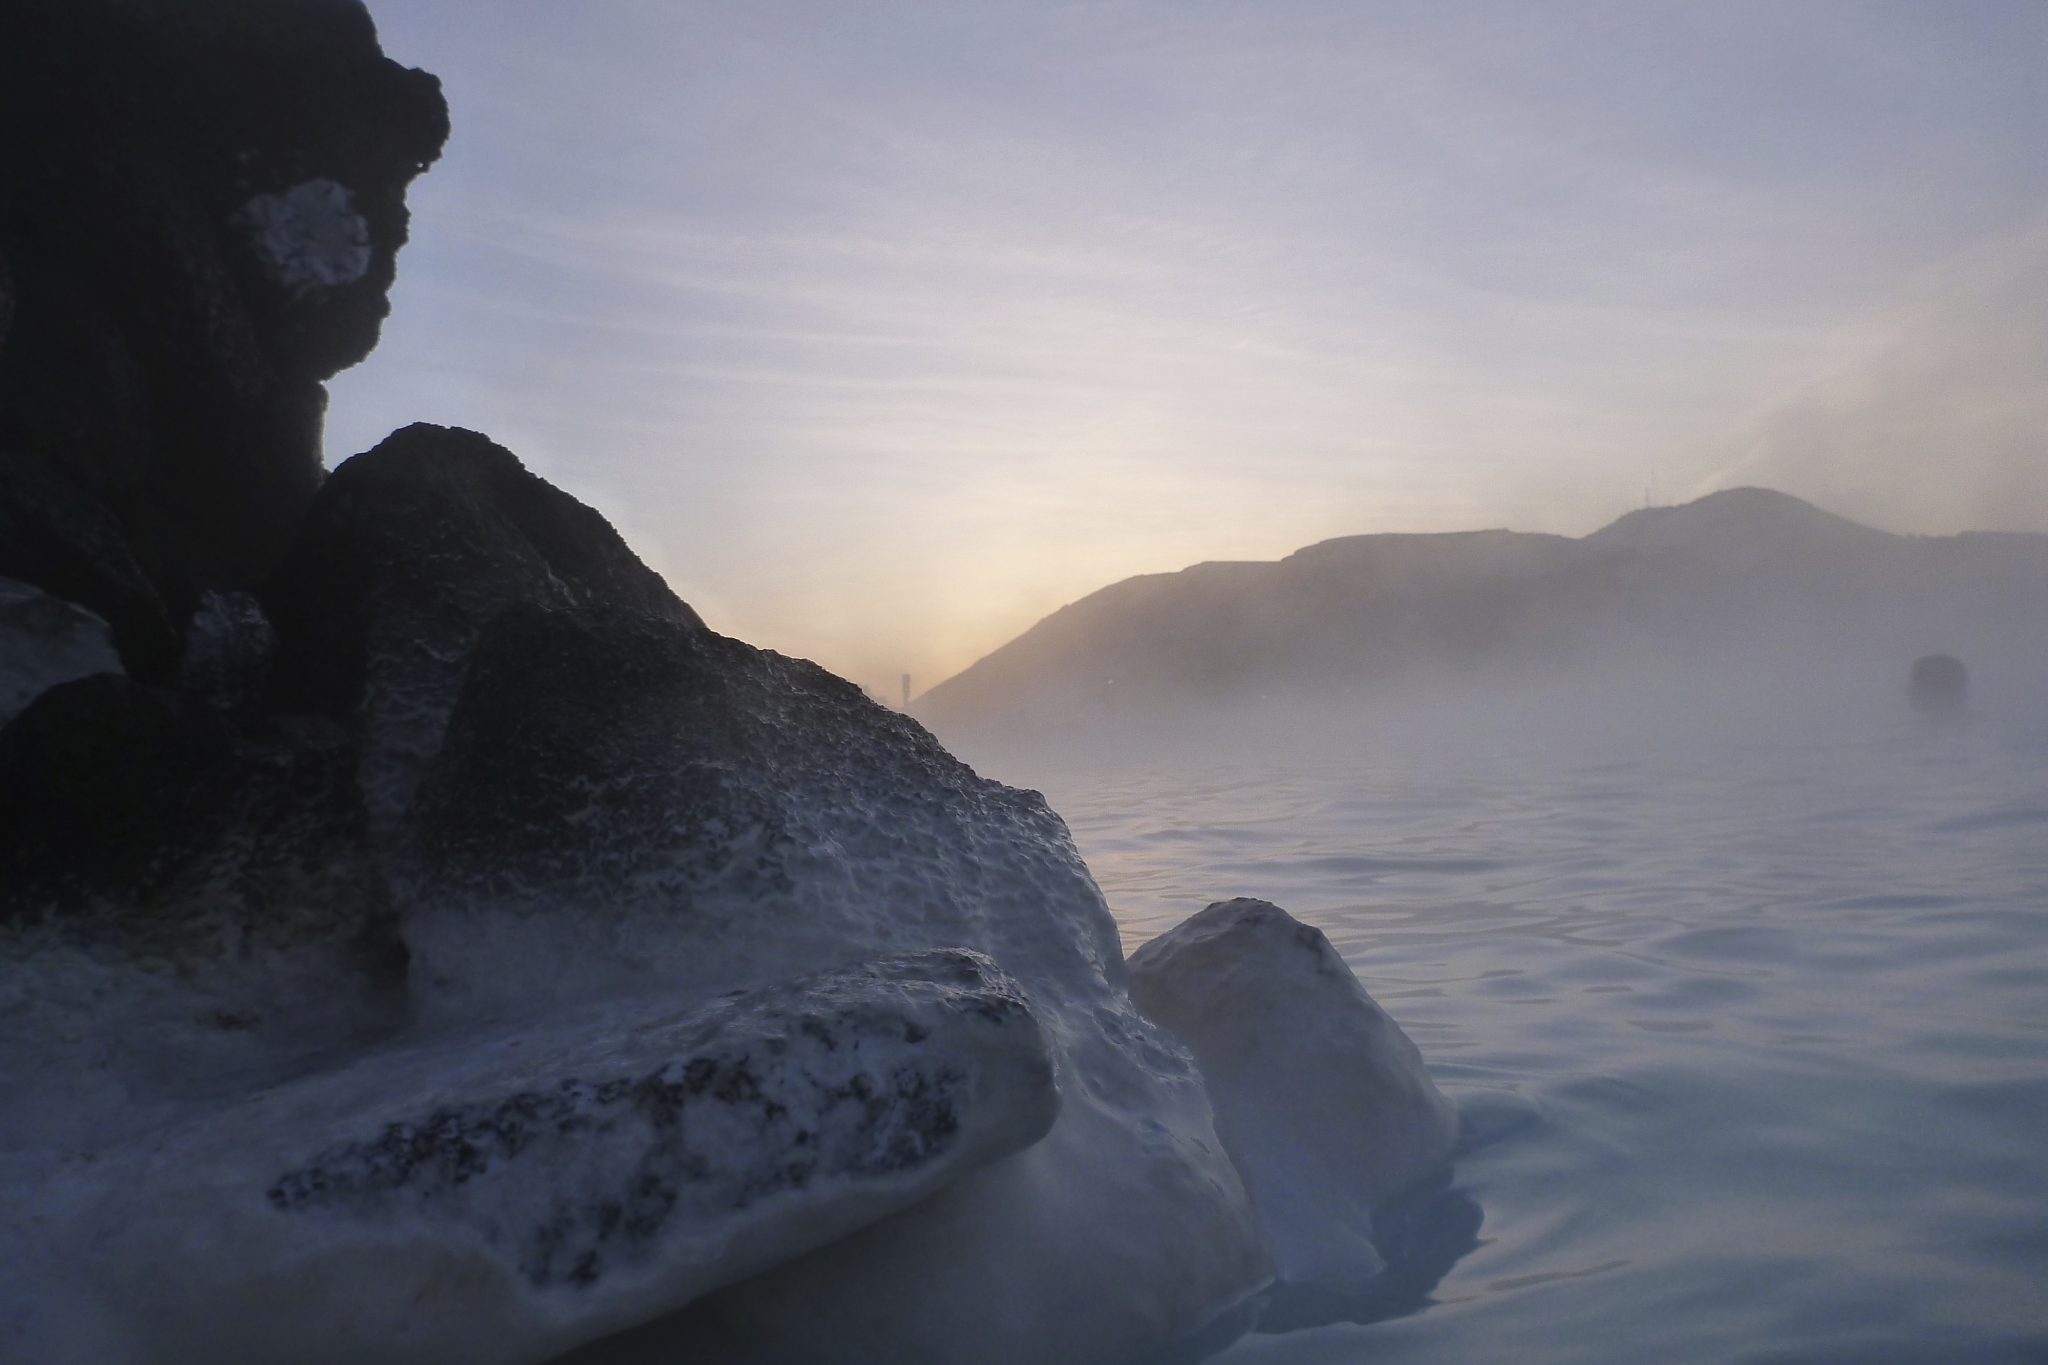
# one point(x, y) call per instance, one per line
point(545, 787)
point(622, 799)
point(434, 942)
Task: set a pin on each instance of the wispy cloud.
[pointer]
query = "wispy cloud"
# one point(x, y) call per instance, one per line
point(884, 329)
point(1936, 420)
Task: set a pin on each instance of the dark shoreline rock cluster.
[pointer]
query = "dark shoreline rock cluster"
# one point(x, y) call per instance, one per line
point(421, 937)
point(204, 208)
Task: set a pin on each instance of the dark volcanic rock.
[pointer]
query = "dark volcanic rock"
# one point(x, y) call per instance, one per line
point(1939, 684)
point(96, 775)
point(652, 723)
point(584, 791)
point(541, 786)
point(187, 909)
point(45, 640)
point(407, 553)
point(142, 827)
point(204, 205)
point(369, 953)
point(228, 649)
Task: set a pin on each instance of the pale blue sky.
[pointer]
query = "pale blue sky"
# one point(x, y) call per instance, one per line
point(884, 329)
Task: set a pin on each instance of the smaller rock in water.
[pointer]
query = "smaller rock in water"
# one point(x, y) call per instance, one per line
point(44, 641)
point(1940, 685)
point(1320, 1099)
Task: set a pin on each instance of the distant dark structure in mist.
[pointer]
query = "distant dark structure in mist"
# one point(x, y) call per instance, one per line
point(1747, 592)
point(1939, 684)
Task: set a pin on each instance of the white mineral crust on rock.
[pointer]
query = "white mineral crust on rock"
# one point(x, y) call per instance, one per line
point(1320, 1099)
point(602, 801)
point(1126, 1226)
point(310, 236)
point(504, 1195)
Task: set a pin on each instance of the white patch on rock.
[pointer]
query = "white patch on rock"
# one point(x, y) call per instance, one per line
point(501, 1194)
point(1320, 1099)
point(309, 237)
point(44, 641)
point(1125, 1227)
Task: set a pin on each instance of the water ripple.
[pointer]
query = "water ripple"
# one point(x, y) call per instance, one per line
point(1750, 1047)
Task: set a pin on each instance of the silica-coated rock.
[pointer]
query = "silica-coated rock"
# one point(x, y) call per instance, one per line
point(586, 796)
point(356, 980)
point(501, 1193)
point(1320, 1098)
point(617, 798)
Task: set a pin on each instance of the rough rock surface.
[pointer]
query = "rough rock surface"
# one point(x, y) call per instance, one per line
point(202, 227)
point(368, 952)
point(186, 909)
point(409, 551)
point(499, 1196)
point(1320, 1098)
point(587, 796)
point(228, 649)
point(621, 799)
point(45, 641)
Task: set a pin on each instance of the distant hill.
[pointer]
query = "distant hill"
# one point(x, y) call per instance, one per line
point(1744, 588)
point(1741, 525)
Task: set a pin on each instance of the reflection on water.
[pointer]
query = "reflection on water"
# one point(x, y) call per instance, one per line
point(1422, 1235)
point(1751, 1042)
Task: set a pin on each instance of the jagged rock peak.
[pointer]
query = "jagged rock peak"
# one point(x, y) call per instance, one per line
point(408, 553)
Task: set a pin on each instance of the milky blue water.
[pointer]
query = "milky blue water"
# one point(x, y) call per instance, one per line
point(1750, 1039)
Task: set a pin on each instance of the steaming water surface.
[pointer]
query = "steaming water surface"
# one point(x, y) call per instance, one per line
point(1750, 1041)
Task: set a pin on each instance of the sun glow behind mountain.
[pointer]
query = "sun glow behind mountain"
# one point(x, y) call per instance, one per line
point(885, 332)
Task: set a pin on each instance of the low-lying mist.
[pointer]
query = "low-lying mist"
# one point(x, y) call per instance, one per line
point(1746, 617)
point(1649, 706)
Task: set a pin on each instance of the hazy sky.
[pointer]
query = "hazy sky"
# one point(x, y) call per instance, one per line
point(883, 329)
